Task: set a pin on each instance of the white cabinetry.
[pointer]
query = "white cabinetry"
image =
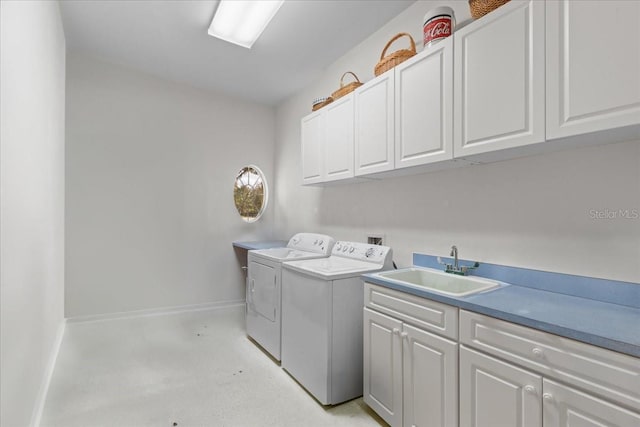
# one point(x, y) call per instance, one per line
point(529, 77)
point(374, 149)
point(410, 374)
point(593, 66)
point(327, 142)
point(383, 366)
point(312, 137)
point(521, 388)
point(404, 117)
point(430, 379)
point(338, 151)
point(424, 107)
point(494, 393)
point(567, 407)
point(499, 81)
point(401, 119)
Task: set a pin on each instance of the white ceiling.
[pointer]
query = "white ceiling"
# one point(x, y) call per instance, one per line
point(169, 39)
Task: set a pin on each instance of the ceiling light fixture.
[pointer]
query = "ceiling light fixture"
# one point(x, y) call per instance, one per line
point(241, 22)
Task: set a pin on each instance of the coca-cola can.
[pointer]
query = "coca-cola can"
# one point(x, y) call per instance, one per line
point(438, 24)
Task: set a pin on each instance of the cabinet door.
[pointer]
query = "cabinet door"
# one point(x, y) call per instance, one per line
point(593, 66)
point(383, 366)
point(566, 407)
point(312, 138)
point(338, 149)
point(374, 125)
point(494, 393)
point(499, 80)
point(430, 378)
point(424, 107)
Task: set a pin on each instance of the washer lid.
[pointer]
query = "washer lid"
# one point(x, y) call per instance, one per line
point(284, 254)
point(332, 268)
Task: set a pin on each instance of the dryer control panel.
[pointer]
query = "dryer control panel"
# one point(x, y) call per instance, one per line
point(312, 242)
point(363, 251)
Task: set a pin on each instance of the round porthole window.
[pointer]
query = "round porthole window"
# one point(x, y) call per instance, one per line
point(250, 193)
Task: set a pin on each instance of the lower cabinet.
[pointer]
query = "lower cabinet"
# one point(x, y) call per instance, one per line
point(567, 407)
point(494, 393)
point(429, 364)
point(383, 366)
point(411, 375)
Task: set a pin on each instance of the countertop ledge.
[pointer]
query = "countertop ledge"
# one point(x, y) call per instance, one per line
point(267, 244)
point(600, 323)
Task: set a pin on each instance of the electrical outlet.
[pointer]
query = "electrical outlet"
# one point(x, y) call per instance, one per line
point(376, 239)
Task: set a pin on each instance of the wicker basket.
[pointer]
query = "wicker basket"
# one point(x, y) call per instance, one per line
point(321, 102)
point(399, 56)
point(479, 8)
point(346, 89)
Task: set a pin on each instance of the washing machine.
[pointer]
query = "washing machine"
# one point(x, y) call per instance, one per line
point(322, 302)
point(263, 308)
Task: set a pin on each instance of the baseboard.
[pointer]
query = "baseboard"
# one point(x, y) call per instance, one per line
point(48, 374)
point(163, 311)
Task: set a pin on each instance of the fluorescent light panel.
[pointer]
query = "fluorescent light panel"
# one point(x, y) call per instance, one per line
point(241, 22)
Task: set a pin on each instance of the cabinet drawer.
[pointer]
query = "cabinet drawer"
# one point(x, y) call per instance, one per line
point(423, 313)
point(612, 375)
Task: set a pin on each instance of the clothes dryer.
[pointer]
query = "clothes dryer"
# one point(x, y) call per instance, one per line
point(263, 308)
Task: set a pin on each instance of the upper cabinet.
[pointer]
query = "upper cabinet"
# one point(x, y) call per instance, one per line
point(529, 77)
point(374, 125)
point(424, 107)
point(499, 80)
point(593, 66)
point(327, 142)
point(338, 150)
point(312, 137)
point(404, 117)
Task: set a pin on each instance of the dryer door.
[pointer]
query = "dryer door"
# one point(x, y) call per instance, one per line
point(263, 291)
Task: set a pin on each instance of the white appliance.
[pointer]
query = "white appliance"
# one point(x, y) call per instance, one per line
point(264, 286)
point(322, 302)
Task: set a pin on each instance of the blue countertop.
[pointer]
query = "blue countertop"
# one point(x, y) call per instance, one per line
point(261, 245)
point(604, 324)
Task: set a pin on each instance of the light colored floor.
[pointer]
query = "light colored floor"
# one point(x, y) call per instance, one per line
point(191, 369)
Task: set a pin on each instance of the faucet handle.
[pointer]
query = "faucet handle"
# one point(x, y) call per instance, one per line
point(447, 267)
point(466, 268)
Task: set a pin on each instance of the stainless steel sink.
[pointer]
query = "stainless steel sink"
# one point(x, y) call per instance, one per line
point(439, 281)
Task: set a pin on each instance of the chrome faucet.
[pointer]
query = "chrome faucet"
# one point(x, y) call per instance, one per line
point(454, 254)
point(455, 268)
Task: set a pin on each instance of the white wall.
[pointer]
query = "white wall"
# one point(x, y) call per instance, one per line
point(531, 212)
point(32, 83)
point(150, 172)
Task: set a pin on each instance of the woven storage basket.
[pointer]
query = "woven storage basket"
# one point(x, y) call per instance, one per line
point(346, 89)
point(321, 102)
point(399, 56)
point(479, 8)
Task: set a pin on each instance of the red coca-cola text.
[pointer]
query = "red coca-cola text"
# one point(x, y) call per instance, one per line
point(437, 28)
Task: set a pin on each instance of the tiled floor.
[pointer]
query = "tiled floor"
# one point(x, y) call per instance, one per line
point(188, 369)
